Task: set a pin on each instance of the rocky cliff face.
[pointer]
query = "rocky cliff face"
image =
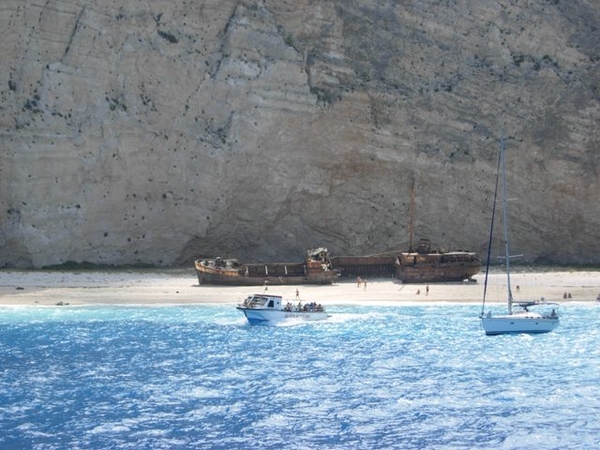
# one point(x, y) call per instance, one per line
point(156, 132)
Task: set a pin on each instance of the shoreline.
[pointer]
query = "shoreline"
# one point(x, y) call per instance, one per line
point(180, 287)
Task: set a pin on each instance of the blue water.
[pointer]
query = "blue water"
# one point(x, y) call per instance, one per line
point(405, 377)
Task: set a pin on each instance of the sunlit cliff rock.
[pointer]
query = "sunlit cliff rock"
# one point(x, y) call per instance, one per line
point(155, 132)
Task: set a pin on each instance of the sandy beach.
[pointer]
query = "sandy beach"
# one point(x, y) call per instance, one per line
point(181, 287)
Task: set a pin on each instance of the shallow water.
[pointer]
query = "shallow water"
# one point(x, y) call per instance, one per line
point(406, 377)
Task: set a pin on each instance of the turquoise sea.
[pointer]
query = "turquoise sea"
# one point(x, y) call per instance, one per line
point(200, 377)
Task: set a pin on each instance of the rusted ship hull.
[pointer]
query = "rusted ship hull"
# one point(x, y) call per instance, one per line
point(207, 275)
point(229, 272)
point(364, 266)
point(423, 266)
point(436, 267)
point(423, 272)
point(420, 266)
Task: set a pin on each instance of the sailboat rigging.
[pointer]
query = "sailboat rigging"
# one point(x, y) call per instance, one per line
point(515, 321)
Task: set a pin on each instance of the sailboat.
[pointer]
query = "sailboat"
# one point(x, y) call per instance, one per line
point(520, 320)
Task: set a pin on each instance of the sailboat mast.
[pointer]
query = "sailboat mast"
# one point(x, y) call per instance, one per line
point(505, 223)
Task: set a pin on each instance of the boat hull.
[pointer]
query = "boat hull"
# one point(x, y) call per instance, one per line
point(229, 272)
point(243, 280)
point(436, 273)
point(516, 325)
point(271, 317)
point(412, 267)
point(364, 266)
point(437, 267)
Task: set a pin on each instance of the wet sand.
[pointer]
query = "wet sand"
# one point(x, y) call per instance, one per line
point(181, 287)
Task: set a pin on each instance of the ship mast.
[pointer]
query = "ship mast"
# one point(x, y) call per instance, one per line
point(411, 216)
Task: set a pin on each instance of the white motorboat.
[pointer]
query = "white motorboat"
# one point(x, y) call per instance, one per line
point(265, 309)
point(522, 320)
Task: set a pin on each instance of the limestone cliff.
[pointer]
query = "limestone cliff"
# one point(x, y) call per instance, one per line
point(154, 132)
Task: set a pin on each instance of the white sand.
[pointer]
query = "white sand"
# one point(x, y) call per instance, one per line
point(181, 287)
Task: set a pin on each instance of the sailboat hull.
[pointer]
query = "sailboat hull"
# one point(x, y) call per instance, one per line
point(515, 325)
